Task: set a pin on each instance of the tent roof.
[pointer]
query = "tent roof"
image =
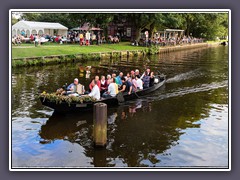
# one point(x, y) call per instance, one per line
point(38, 25)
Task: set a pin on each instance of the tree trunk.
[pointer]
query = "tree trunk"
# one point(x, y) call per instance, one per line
point(188, 27)
point(151, 30)
point(138, 34)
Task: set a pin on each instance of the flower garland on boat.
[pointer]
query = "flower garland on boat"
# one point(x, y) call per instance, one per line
point(58, 99)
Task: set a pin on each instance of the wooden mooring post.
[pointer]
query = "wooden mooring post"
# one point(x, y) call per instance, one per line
point(100, 124)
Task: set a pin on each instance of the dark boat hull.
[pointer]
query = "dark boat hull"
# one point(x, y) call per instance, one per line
point(78, 107)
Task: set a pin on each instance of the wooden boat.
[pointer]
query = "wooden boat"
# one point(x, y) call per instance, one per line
point(65, 107)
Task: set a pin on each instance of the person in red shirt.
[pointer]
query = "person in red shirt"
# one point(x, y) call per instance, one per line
point(98, 83)
point(104, 85)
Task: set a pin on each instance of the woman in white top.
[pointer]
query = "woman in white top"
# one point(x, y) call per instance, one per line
point(139, 83)
point(111, 92)
point(95, 90)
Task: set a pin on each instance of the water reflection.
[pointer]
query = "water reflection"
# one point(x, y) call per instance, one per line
point(170, 127)
point(136, 134)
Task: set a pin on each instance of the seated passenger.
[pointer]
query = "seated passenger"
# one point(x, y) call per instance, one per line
point(146, 80)
point(108, 79)
point(137, 73)
point(104, 85)
point(147, 72)
point(72, 88)
point(97, 81)
point(132, 73)
point(126, 86)
point(114, 75)
point(95, 93)
point(118, 79)
point(151, 83)
point(112, 89)
point(139, 83)
point(133, 81)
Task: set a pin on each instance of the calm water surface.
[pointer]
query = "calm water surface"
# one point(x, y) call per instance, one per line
point(183, 124)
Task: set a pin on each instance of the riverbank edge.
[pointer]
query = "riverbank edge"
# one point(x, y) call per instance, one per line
point(58, 59)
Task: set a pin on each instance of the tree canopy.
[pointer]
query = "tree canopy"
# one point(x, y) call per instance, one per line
point(205, 25)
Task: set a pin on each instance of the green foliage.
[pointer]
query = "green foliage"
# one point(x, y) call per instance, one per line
point(86, 57)
point(18, 63)
point(206, 25)
point(151, 50)
point(116, 54)
point(135, 53)
point(31, 16)
point(58, 99)
point(95, 56)
point(14, 20)
point(70, 57)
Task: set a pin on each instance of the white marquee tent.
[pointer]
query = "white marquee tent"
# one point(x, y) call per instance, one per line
point(31, 27)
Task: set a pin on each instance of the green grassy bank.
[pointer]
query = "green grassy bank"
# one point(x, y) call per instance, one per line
point(29, 50)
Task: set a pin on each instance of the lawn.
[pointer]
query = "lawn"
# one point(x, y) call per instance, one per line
point(29, 50)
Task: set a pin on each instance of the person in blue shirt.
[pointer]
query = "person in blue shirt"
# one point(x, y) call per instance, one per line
point(119, 79)
point(73, 87)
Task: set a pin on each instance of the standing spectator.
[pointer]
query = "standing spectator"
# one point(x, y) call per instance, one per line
point(81, 39)
point(87, 38)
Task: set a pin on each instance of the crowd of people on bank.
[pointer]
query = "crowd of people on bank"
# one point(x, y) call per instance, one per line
point(171, 41)
point(111, 85)
point(73, 37)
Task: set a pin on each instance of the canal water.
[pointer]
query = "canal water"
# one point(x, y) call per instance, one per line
point(184, 124)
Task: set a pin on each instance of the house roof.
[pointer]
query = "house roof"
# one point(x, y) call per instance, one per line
point(38, 25)
point(174, 30)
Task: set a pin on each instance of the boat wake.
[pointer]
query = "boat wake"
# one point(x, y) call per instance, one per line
point(185, 76)
point(189, 90)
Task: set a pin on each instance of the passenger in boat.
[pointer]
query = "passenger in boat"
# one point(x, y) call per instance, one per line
point(126, 86)
point(152, 77)
point(104, 85)
point(137, 73)
point(95, 90)
point(146, 80)
point(72, 88)
point(98, 83)
point(132, 73)
point(112, 89)
point(128, 76)
point(108, 79)
point(114, 75)
point(134, 82)
point(139, 83)
point(147, 72)
point(118, 79)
